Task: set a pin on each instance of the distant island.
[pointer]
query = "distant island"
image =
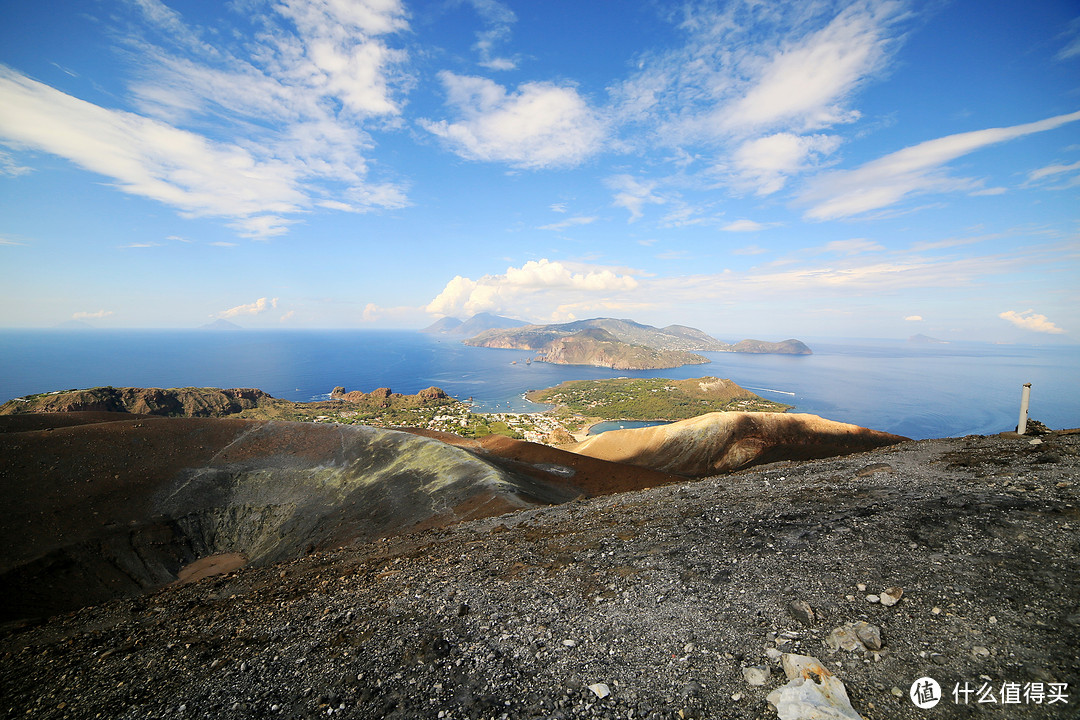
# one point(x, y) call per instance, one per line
point(220, 324)
point(622, 344)
point(473, 326)
point(926, 340)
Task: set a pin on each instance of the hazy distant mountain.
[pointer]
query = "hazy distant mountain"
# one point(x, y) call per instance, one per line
point(220, 324)
point(443, 326)
point(473, 326)
point(926, 340)
point(784, 347)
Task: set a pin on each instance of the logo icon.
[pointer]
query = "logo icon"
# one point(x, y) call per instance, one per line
point(925, 693)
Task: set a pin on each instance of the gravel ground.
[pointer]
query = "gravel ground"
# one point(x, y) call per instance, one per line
point(658, 600)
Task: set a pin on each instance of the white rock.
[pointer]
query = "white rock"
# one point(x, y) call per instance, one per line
point(756, 675)
point(805, 698)
point(891, 596)
point(600, 690)
point(873, 598)
point(774, 655)
point(569, 643)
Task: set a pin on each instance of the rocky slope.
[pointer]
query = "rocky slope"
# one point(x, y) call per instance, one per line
point(726, 441)
point(186, 402)
point(658, 603)
point(118, 505)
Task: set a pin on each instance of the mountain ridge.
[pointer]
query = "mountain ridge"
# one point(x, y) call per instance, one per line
point(626, 340)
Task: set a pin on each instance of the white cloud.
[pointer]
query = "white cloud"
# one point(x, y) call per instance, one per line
point(633, 194)
point(749, 250)
point(256, 308)
point(766, 162)
point(1051, 171)
point(914, 318)
point(287, 110)
point(1031, 320)
point(9, 167)
point(147, 157)
point(854, 246)
point(96, 315)
point(569, 222)
point(1072, 41)
point(148, 244)
point(534, 289)
point(749, 68)
point(498, 21)
point(912, 171)
point(540, 125)
point(807, 81)
point(558, 207)
point(743, 225)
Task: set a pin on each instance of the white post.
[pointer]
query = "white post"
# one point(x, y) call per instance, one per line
point(1025, 397)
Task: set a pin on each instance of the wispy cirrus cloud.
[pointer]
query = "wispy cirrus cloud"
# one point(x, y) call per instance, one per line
point(744, 225)
point(634, 194)
point(1056, 171)
point(288, 110)
point(757, 86)
point(909, 172)
point(538, 125)
point(570, 222)
point(498, 21)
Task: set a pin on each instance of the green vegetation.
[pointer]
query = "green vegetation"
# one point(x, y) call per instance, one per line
point(653, 398)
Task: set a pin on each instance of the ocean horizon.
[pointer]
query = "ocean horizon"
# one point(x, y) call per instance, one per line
point(912, 389)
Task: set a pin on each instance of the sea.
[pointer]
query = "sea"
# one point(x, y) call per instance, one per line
point(917, 390)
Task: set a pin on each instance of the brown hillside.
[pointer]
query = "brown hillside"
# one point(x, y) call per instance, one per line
point(722, 442)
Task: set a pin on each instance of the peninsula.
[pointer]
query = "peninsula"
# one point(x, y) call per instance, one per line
point(652, 398)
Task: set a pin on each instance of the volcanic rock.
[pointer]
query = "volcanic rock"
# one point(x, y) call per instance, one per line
point(102, 509)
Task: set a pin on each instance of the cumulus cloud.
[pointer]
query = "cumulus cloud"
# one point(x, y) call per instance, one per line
point(256, 308)
point(96, 315)
point(539, 125)
point(912, 171)
point(914, 318)
point(535, 288)
point(1031, 320)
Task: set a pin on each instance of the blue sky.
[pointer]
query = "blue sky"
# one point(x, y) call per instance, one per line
point(767, 170)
